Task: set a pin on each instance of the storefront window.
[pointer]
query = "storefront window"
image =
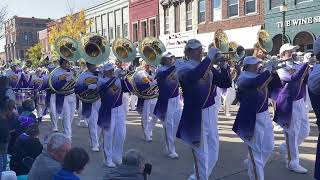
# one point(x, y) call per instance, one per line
point(250, 6)
point(166, 20)
point(216, 10)
point(189, 15)
point(275, 3)
point(202, 11)
point(233, 8)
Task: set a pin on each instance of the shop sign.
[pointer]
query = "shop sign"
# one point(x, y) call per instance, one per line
point(300, 22)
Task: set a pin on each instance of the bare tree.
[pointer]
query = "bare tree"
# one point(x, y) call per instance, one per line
point(3, 14)
point(70, 6)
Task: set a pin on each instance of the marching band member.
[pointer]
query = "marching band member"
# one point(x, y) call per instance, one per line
point(15, 77)
point(198, 124)
point(291, 113)
point(26, 77)
point(120, 72)
point(49, 92)
point(64, 104)
point(37, 83)
point(253, 123)
point(88, 81)
point(314, 93)
point(308, 58)
point(145, 79)
point(168, 107)
point(111, 116)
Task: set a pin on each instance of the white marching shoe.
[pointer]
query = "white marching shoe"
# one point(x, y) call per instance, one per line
point(173, 155)
point(298, 169)
point(95, 149)
point(110, 164)
point(192, 177)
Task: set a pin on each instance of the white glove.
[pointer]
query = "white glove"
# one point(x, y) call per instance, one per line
point(269, 66)
point(152, 83)
point(212, 53)
point(68, 78)
point(92, 86)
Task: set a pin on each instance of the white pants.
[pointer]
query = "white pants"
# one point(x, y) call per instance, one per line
point(260, 146)
point(206, 155)
point(171, 123)
point(125, 102)
point(307, 101)
point(68, 109)
point(228, 98)
point(133, 101)
point(114, 137)
point(297, 132)
point(40, 110)
point(149, 120)
point(92, 124)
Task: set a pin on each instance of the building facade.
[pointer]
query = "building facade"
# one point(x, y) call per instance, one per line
point(144, 19)
point(43, 38)
point(110, 19)
point(301, 23)
point(21, 34)
point(2, 58)
point(183, 20)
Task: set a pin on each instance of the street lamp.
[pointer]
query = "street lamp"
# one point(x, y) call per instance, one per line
point(283, 10)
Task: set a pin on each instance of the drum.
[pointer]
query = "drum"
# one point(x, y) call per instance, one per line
point(27, 93)
point(19, 97)
point(41, 98)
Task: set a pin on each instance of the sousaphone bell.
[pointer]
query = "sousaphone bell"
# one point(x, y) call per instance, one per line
point(124, 50)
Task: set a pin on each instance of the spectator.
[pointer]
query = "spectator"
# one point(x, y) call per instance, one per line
point(74, 162)
point(6, 114)
point(132, 167)
point(49, 161)
point(5, 90)
point(26, 149)
point(20, 124)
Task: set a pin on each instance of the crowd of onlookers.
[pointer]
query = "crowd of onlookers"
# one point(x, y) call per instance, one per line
point(24, 157)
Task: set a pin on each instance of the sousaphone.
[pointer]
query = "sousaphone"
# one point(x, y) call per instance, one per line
point(264, 41)
point(151, 49)
point(67, 48)
point(124, 50)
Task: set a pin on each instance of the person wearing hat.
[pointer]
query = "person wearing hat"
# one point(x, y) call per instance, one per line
point(111, 116)
point(63, 105)
point(168, 107)
point(291, 113)
point(198, 124)
point(86, 81)
point(15, 76)
point(253, 123)
point(144, 79)
point(309, 58)
point(121, 72)
point(27, 77)
point(37, 83)
point(314, 93)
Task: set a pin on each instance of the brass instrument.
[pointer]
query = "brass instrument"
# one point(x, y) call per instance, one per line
point(149, 93)
point(67, 89)
point(124, 50)
point(151, 50)
point(275, 64)
point(67, 48)
point(264, 42)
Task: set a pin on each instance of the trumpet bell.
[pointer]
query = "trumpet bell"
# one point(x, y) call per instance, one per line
point(264, 41)
point(151, 50)
point(124, 50)
point(221, 41)
point(67, 48)
point(95, 49)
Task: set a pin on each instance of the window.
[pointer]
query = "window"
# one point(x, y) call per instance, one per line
point(104, 24)
point(144, 29)
point(125, 30)
point(189, 15)
point(98, 25)
point(216, 10)
point(233, 7)
point(21, 55)
point(118, 31)
point(92, 27)
point(166, 20)
point(309, 47)
point(250, 6)
point(275, 3)
point(110, 33)
point(135, 32)
point(202, 11)
point(301, 1)
point(177, 18)
point(153, 32)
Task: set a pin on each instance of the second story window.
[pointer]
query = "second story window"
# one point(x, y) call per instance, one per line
point(144, 29)
point(188, 15)
point(125, 30)
point(275, 3)
point(233, 9)
point(202, 11)
point(166, 20)
point(153, 32)
point(216, 10)
point(135, 32)
point(250, 6)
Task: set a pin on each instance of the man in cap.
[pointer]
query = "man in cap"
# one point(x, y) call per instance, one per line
point(314, 93)
point(168, 107)
point(253, 123)
point(198, 124)
point(64, 104)
point(291, 113)
point(88, 81)
point(111, 116)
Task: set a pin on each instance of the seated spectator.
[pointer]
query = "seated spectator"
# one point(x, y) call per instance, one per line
point(26, 149)
point(49, 161)
point(6, 115)
point(74, 162)
point(132, 167)
point(20, 124)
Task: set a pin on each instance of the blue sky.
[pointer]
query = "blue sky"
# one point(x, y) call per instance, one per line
point(44, 8)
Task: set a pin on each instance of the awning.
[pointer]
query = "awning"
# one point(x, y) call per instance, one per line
point(245, 37)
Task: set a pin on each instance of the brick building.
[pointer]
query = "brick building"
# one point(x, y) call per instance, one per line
point(144, 19)
point(21, 34)
point(43, 38)
point(240, 19)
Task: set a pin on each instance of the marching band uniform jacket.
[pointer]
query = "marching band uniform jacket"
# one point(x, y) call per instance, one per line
point(198, 94)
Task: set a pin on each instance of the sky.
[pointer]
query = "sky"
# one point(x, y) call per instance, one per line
point(53, 9)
